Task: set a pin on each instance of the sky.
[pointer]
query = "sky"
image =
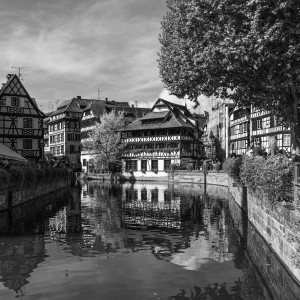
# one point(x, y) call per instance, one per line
point(69, 48)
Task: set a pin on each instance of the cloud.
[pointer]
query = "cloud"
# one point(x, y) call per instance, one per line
point(74, 47)
point(203, 101)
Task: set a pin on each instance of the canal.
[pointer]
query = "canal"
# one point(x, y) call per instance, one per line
point(137, 241)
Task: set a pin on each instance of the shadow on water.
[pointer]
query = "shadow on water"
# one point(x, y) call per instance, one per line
point(198, 242)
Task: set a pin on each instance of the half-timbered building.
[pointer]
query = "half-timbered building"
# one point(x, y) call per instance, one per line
point(239, 130)
point(168, 134)
point(91, 116)
point(64, 129)
point(21, 121)
point(265, 125)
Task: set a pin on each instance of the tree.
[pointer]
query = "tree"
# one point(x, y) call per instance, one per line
point(244, 50)
point(104, 141)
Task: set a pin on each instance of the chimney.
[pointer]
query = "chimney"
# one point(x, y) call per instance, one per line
point(132, 105)
point(78, 97)
point(106, 100)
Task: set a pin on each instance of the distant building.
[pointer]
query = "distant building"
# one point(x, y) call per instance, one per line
point(216, 140)
point(21, 121)
point(64, 129)
point(239, 130)
point(168, 134)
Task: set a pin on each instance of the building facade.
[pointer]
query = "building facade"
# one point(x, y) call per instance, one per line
point(21, 121)
point(91, 116)
point(239, 130)
point(264, 126)
point(64, 130)
point(167, 135)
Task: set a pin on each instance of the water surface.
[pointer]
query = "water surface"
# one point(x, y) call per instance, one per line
point(135, 241)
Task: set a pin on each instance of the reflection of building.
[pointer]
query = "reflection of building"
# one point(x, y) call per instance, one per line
point(19, 259)
point(68, 219)
point(21, 120)
point(149, 205)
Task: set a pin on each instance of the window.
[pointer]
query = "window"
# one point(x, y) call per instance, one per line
point(167, 164)
point(62, 149)
point(232, 130)
point(144, 165)
point(258, 124)
point(71, 137)
point(15, 101)
point(266, 122)
point(3, 101)
point(84, 162)
point(27, 122)
point(154, 195)
point(144, 194)
point(27, 144)
point(72, 148)
point(154, 164)
point(286, 140)
point(131, 164)
point(62, 137)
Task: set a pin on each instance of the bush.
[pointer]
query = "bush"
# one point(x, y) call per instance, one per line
point(30, 175)
point(144, 170)
point(272, 176)
point(232, 166)
point(155, 171)
point(3, 178)
point(16, 174)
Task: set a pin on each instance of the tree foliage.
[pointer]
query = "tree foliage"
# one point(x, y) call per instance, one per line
point(104, 141)
point(244, 50)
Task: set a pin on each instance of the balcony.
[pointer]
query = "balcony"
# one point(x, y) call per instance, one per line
point(163, 138)
point(270, 130)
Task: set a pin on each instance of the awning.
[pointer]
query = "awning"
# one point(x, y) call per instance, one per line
point(6, 153)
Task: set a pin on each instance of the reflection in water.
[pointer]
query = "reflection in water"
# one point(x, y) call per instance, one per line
point(173, 242)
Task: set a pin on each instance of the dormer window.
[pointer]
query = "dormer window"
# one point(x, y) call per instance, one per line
point(15, 101)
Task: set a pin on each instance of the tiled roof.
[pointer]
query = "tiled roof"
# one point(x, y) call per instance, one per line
point(155, 115)
point(98, 108)
point(171, 123)
point(141, 111)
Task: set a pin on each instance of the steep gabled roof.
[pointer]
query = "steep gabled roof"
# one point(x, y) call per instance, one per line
point(14, 86)
point(175, 116)
point(173, 122)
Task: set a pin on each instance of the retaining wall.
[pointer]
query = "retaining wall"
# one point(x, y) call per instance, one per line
point(16, 193)
point(281, 233)
point(216, 178)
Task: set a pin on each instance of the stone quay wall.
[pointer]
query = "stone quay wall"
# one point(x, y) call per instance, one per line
point(15, 194)
point(215, 178)
point(282, 234)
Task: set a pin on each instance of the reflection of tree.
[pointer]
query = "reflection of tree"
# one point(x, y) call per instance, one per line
point(211, 292)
